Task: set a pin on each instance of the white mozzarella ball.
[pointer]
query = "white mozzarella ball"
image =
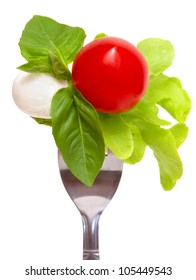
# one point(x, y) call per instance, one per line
point(33, 92)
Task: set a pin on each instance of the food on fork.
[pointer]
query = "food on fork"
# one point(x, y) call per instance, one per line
point(109, 98)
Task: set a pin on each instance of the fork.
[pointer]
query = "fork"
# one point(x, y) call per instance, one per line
point(91, 201)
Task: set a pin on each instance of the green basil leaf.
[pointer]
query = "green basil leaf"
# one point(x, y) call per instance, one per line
point(117, 135)
point(37, 65)
point(47, 41)
point(58, 68)
point(47, 122)
point(168, 93)
point(159, 54)
point(77, 133)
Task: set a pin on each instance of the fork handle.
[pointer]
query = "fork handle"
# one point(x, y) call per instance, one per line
point(90, 237)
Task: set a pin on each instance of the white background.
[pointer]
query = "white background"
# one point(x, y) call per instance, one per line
point(143, 225)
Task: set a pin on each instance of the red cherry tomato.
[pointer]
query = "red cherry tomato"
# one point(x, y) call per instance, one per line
point(111, 74)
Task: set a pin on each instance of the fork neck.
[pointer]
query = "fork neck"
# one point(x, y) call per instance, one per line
point(91, 236)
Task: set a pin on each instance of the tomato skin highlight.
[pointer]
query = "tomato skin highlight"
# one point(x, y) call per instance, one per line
point(111, 74)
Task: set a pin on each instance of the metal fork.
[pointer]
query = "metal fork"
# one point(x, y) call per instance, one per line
point(91, 201)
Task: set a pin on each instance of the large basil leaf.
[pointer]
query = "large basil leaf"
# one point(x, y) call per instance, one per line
point(77, 133)
point(47, 44)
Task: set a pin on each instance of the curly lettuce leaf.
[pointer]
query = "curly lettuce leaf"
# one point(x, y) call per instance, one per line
point(180, 133)
point(117, 135)
point(163, 144)
point(139, 145)
point(159, 54)
point(168, 93)
point(162, 136)
point(147, 110)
